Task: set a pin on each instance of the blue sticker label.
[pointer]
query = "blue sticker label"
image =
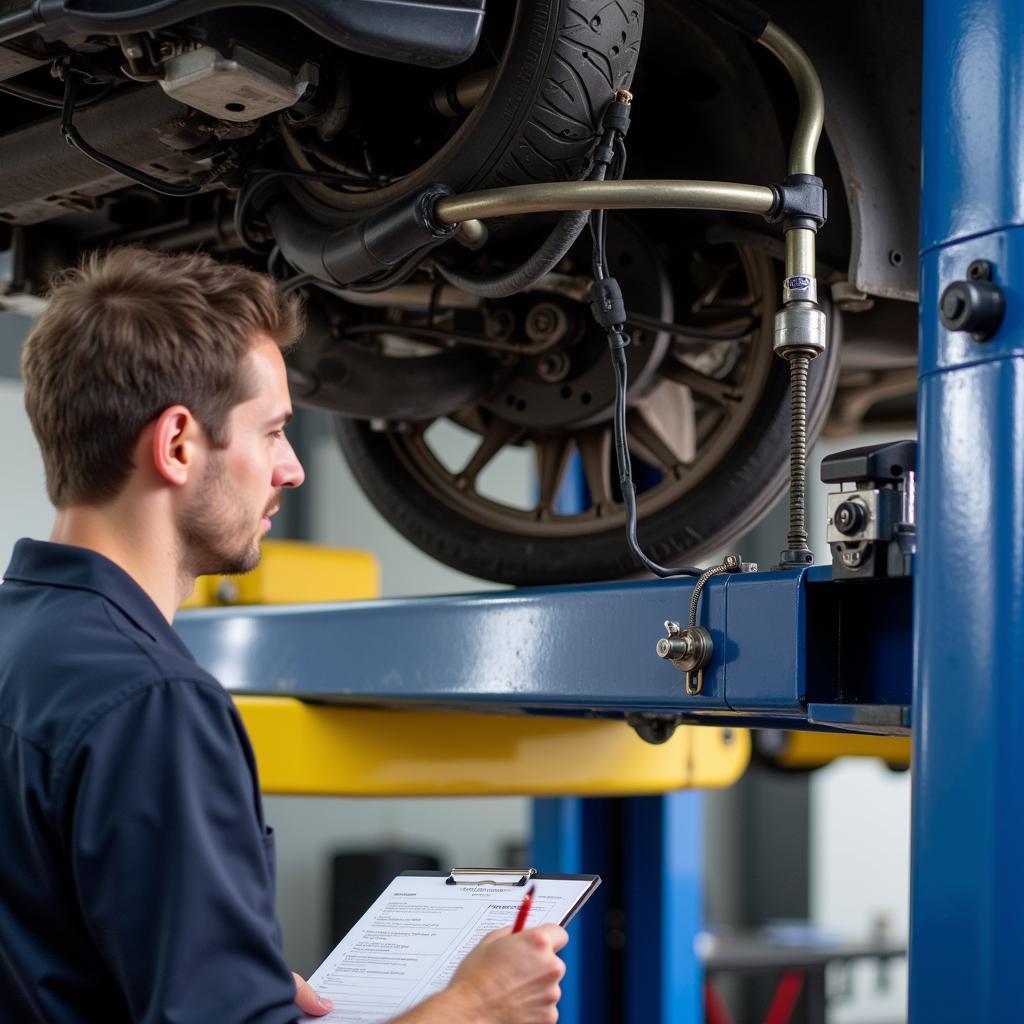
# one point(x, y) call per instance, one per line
point(798, 282)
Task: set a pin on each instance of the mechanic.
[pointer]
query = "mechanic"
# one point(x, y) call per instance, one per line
point(137, 876)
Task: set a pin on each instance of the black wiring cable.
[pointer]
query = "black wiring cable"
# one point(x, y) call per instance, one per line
point(599, 218)
point(326, 177)
point(686, 331)
point(399, 275)
point(74, 138)
point(618, 339)
point(441, 337)
point(260, 176)
point(44, 99)
point(435, 295)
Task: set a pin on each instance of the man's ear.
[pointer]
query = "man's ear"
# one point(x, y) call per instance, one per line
point(176, 442)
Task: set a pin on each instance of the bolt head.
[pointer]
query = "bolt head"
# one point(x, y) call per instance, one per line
point(980, 270)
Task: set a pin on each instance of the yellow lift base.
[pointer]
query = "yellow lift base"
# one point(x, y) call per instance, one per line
point(315, 750)
point(804, 751)
point(294, 572)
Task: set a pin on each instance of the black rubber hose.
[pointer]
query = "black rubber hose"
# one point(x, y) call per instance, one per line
point(300, 238)
point(544, 260)
point(609, 150)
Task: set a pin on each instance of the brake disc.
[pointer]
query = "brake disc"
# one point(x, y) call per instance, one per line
point(570, 384)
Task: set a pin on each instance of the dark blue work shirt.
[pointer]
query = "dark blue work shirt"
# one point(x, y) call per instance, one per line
point(136, 871)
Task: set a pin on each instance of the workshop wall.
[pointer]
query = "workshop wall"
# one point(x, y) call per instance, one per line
point(25, 510)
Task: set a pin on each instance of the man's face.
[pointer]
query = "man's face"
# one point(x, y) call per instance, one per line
point(228, 514)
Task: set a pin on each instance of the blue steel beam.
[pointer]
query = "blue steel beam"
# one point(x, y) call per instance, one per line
point(967, 904)
point(791, 648)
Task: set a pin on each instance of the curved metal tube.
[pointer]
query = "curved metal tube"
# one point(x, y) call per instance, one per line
point(800, 243)
point(811, 118)
point(606, 195)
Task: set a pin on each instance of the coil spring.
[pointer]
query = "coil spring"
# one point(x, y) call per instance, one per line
point(799, 367)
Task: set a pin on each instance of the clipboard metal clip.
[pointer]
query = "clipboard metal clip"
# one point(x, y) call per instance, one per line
point(510, 877)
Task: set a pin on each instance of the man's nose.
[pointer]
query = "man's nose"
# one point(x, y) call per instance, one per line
point(288, 472)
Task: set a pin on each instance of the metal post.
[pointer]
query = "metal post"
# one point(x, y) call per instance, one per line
point(632, 958)
point(664, 913)
point(571, 836)
point(967, 901)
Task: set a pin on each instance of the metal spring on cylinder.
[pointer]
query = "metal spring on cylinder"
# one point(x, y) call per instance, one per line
point(799, 365)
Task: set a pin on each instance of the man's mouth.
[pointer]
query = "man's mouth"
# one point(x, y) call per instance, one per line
point(270, 513)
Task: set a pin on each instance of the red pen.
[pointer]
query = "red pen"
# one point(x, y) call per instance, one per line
point(524, 910)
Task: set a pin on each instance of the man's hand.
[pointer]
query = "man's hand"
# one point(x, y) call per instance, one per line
point(308, 1001)
point(511, 979)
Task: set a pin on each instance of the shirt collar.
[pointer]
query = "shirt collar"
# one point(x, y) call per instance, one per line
point(62, 565)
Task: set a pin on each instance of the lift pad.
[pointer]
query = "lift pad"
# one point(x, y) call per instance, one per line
point(310, 749)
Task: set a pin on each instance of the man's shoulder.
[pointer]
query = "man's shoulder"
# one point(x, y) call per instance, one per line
point(69, 657)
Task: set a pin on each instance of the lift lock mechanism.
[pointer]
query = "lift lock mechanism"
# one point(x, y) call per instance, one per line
point(690, 649)
point(871, 528)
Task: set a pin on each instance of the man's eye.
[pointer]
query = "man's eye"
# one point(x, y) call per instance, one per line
point(277, 434)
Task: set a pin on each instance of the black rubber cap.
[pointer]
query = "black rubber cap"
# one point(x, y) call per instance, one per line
point(974, 306)
point(850, 517)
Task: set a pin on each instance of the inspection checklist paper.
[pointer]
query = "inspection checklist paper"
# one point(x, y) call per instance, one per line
point(407, 946)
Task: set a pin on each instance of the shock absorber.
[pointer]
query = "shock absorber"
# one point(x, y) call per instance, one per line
point(800, 329)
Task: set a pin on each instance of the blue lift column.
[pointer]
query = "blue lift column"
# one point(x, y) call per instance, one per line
point(648, 851)
point(967, 897)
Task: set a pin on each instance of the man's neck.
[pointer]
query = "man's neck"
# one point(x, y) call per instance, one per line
point(136, 544)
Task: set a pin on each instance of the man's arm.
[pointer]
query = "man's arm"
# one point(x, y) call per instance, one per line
point(507, 979)
point(172, 865)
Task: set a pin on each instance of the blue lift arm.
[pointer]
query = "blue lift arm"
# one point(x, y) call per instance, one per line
point(791, 648)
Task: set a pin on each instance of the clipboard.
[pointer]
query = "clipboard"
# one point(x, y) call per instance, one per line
point(408, 945)
point(513, 878)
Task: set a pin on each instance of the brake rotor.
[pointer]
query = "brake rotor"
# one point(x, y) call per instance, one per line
point(570, 383)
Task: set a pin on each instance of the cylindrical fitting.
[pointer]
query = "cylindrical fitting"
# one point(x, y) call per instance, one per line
point(456, 99)
point(800, 327)
point(386, 238)
point(689, 650)
point(673, 648)
point(800, 253)
point(472, 234)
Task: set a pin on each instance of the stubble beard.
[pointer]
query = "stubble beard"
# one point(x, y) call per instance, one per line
point(217, 537)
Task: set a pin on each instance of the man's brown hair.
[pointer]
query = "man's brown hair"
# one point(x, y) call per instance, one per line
point(129, 333)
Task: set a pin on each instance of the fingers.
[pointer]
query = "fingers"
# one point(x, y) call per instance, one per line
point(307, 1000)
point(500, 933)
point(556, 935)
